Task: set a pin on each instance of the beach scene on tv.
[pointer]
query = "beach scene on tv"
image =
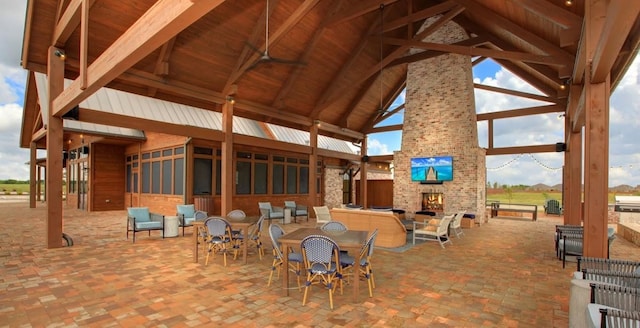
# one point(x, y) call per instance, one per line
point(436, 168)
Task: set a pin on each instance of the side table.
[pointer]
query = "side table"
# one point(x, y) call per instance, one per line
point(171, 226)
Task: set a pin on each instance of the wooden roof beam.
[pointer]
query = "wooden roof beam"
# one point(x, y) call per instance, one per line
point(553, 13)
point(515, 93)
point(620, 17)
point(522, 150)
point(359, 9)
point(472, 42)
point(388, 100)
point(528, 77)
point(475, 51)
point(420, 15)
point(386, 128)
point(538, 110)
point(161, 22)
point(391, 57)
point(68, 22)
point(502, 23)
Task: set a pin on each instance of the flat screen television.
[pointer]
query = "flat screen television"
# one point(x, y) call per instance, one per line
point(435, 169)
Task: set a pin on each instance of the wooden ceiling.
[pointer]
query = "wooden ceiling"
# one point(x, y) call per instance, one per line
point(328, 63)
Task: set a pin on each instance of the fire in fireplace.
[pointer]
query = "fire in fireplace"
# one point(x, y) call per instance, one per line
point(432, 201)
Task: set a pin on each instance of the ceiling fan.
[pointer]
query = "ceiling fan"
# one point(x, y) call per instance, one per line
point(264, 55)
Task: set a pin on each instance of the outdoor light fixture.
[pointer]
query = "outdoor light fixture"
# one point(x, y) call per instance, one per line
point(568, 3)
point(60, 54)
point(231, 100)
point(316, 122)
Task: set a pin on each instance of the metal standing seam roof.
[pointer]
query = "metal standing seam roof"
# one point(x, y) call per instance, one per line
point(129, 104)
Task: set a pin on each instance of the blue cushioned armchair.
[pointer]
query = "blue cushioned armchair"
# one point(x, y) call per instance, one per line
point(140, 219)
point(187, 214)
point(271, 212)
point(296, 210)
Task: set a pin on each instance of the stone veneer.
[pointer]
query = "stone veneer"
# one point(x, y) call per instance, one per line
point(440, 120)
point(333, 186)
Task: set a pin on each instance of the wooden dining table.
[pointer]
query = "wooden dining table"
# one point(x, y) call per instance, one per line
point(350, 240)
point(242, 224)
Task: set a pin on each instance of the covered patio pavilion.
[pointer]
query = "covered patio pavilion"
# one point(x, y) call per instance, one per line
point(502, 274)
point(342, 77)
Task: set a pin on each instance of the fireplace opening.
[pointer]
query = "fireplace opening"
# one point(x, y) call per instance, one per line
point(432, 201)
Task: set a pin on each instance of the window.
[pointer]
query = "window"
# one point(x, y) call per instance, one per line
point(260, 181)
point(178, 181)
point(292, 179)
point(278, 177)
point(243, 178)
point(162, 172)
point(202, 176)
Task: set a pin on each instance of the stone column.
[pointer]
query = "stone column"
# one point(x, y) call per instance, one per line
point(440, 120)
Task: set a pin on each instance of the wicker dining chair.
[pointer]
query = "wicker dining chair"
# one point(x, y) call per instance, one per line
point(295, 259)
point(322, 263)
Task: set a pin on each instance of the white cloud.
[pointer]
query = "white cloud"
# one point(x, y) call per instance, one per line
point(375, 147)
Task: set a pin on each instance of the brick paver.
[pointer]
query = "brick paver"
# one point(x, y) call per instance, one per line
point(502, 274)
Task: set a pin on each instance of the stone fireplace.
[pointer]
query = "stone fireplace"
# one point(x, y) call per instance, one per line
point(440, 120)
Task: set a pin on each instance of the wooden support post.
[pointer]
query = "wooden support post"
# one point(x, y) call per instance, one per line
point(55, 73)
point(33, 184)
point(313, 166)
point(596, 161)
point(363, 175)
point(228, 181)
point(572, 207)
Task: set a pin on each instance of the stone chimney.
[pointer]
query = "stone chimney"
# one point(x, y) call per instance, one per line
point(440, 120)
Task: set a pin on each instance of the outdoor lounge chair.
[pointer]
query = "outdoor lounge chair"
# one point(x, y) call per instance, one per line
point(187, 214)
point(271, 212)
point(323, 215)
point(140, 219)
point(296, 210)
point(552, 206)
point(428, 231)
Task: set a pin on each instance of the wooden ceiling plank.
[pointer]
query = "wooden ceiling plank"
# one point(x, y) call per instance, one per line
point(161, 22)
point(555, 14)
point(515, 93)
point(475, 51)
point(289, 24)
point(472, 42)
point(620, 17)
point(420, 15)
point(344, 69)
point(309, 50)
point(500, 22)
point(357, 98)
point(68, 22)
point(244, 56)
point(394, 55)
point(362, 8)
point(537, 110)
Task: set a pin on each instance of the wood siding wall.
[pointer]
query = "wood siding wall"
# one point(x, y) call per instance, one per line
point(107, 177)
point(379, 192)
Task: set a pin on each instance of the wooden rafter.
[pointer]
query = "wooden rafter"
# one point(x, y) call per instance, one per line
point(162, 63)
point(515, 93)
point(472, 42)
point(537, 110)
point(417, 16)
point(362, 8)
point(396, 54)
point(499, 22)
point(621, 16)
point(387, 101)
point(161, 22)
point(475, 51)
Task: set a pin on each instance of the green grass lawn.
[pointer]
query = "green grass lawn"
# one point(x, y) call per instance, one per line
point(19, 188)
point(531, 197)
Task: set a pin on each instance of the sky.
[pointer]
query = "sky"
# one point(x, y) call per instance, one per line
point(525, 169)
